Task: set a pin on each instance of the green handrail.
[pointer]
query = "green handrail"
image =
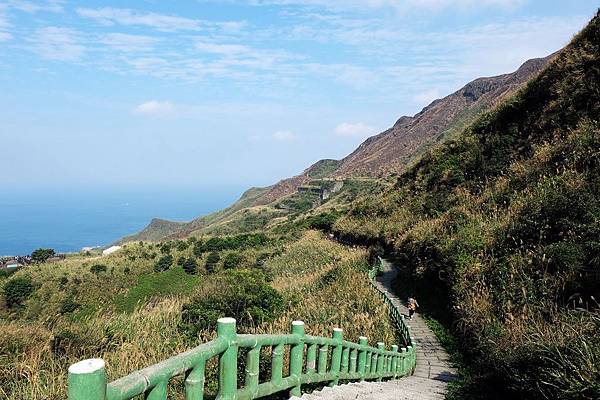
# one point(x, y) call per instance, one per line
point(348, 362)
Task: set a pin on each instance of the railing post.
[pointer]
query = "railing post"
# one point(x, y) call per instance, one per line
point(296, 354)
point(353, 360)
point(362, 357)
point(336, 356)
point(87, 380)
point(277, 364)
point(345, 359)
point(394, 365)
point(380, 361)
point(311, 358)
point(403, 362)
point(194, 383)
point(227, 360)
point(322, 363)
point(252, 370)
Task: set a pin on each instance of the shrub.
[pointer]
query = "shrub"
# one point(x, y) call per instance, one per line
point(42, 255)
point(164, 263)
point(243, 295)
point(165, 248)
point(182, 245)
point(17, 290)
point(211, 261)
point(190, 266)
point(68, 306)
point(98, 268)
point(232, 260)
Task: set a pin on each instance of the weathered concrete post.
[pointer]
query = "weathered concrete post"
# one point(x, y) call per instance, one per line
point(227, 360)
point(296, 354)
point(87, 380)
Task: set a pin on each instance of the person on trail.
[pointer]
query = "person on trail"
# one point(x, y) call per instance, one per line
point(412, 307)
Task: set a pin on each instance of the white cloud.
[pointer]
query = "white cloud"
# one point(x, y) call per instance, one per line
point(427, 96)
point(284, 136)
point(167, 23)
point(223, 49)
point(358, 129)
point(4, 36)
point(56, 43)
point(128, 43)
point(124, 16)
point(155, 107)
point(31, 7)
point(394, 4)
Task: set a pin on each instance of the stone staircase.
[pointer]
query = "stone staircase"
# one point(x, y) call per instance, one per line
point(432, 374)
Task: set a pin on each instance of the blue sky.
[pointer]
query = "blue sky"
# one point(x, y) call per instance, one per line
point(239, 92)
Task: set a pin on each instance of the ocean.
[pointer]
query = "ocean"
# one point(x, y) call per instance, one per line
point(67, 219)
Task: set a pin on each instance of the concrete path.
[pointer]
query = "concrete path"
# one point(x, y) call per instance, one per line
point(432, 374)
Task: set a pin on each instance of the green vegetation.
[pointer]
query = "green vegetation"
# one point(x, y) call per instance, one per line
point(164, 263)
point(17, 290)
point(501, 225)
point(244, 295)
point(42, 255)
point(137, 318)
point(97, 269)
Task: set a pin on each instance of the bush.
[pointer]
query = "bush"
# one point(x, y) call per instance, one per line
point(42, 255)
point(211, 261)
point(165, 248)
point(17, 290)
point(243, 295)
point(190, 266)
point(68, 306)
point(232, 260)
point(98, 268)
point(164, 263)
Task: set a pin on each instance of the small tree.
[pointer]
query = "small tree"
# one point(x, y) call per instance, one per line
point(17, 290)
point(190, 266)
point(211, 261)
point(97, 269)
point(164, 263)
point(42, 255)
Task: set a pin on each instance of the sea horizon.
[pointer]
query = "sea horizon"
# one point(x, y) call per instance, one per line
point(67, 219)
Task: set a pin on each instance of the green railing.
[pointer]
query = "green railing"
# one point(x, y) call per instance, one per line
point(312, 359)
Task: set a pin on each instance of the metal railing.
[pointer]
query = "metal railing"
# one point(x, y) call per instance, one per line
point(312, 359)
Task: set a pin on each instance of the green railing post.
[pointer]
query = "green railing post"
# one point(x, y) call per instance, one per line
point(311, 358)
point(380, 361)
point(277, 364)
point(322, 363)
point(296, 354)
point(227, 360)
point(87, 380)
point(394, 365)
point(362, 357)
point(252, 370)
point(345, 359)
point(194, 383)
point(336, 356)
point(353, 360)
point(158, 392)
point(403, 362)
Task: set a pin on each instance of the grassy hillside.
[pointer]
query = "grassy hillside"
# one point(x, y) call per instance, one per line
point(503, 225)
point(132, 315)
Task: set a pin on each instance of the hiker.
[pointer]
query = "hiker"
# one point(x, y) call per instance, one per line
point(412, 307)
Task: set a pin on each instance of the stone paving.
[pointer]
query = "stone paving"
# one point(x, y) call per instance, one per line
point(432, 373)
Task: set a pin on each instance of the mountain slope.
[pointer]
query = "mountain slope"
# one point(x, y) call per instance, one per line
point(499, 227)
point(388, 152)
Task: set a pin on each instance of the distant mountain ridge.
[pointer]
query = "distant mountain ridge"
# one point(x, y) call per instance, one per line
point(389, 152)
